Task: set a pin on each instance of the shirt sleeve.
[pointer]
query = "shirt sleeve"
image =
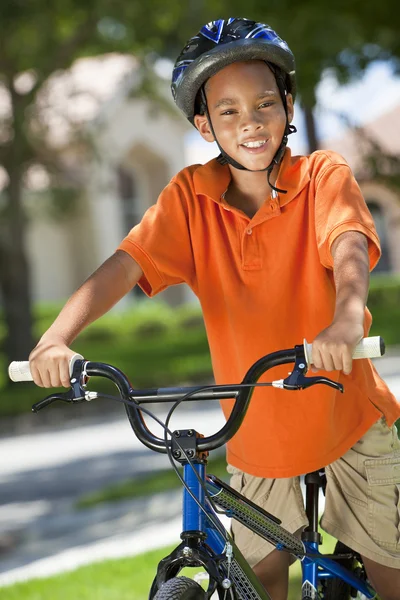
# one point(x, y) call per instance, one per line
point(161, 243)
point(340, 207)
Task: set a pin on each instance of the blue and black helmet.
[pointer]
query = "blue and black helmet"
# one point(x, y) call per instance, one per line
point(221, 43)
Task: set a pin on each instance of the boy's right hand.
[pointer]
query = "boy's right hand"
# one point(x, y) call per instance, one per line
point(49, 362)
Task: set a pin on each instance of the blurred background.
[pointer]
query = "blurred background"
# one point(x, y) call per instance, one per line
point(89, 136)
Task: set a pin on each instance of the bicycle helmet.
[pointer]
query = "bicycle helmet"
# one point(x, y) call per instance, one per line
point(219, 44)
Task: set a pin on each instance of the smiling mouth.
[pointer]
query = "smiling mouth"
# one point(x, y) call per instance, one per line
point(256, 144)
point(255, 147)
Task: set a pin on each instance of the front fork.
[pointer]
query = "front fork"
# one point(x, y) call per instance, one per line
point(191, 551)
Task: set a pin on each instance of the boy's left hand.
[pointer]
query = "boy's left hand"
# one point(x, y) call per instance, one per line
point(333, 348)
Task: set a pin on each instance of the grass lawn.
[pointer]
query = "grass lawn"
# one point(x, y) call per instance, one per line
point(126, 579)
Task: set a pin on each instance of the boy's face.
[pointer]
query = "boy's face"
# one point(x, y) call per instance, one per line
point(246, 112)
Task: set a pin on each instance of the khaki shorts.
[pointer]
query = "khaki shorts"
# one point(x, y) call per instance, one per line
point(362, 505)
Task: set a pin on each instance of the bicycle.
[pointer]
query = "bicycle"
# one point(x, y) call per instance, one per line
point(205, 542)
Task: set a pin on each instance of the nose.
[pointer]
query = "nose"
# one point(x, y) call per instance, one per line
point(251, 120)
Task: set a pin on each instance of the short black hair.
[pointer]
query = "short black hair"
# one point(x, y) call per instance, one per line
point(200, 107)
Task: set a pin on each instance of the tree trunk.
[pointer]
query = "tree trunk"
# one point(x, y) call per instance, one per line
point(14, 276)
point(312, 136)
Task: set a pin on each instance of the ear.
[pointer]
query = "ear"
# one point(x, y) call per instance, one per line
point(203, 126)
point(290, 107)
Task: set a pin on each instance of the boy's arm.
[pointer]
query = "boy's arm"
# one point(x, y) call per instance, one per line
point(333, 347)
point(49, 361)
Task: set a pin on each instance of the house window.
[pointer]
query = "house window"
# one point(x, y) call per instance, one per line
point(127, 194)
point(384, 265)
point(130, 217)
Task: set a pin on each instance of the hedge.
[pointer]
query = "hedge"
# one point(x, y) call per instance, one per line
point(156, 345)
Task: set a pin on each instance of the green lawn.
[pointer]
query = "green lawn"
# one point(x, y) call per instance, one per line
point(126, 579)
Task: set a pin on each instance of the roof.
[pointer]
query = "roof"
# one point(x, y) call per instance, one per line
point(384, 130)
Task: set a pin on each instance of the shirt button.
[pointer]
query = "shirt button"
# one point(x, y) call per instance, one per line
point(249, 231)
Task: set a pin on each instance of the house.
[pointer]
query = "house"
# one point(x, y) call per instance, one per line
point(130, 149)
point(383, 201)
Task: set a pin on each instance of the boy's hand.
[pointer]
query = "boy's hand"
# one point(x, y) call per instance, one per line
point(49, 362)
point(332, 349)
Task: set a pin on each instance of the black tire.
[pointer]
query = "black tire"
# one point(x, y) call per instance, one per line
point(180, 588)
point(337, 589)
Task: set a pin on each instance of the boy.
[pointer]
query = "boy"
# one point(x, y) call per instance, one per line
point(277, 248)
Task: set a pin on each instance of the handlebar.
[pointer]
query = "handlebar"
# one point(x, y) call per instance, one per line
point(80, 371)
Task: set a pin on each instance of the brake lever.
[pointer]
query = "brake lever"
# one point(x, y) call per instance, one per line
point(75, 394)
point(297, 380)
point(64, 397)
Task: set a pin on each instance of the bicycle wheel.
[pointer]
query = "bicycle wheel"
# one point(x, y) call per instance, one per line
point(337, 589)
point(180, 588)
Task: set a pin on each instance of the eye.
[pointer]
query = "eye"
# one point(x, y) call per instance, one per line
point(228, 112)
point(266, 104)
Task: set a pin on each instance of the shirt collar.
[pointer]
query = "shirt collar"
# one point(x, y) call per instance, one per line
point(212, 179)
point(294, 175)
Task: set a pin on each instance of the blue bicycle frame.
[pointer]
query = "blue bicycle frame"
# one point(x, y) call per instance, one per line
point(315, 566)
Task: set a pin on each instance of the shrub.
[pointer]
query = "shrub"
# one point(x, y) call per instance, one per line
point(189, 316)
point(151, 329)
point(98, 334)
point(155, 344)
point(384, 304)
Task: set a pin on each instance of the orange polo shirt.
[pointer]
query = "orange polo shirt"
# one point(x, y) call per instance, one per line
point(264, 284)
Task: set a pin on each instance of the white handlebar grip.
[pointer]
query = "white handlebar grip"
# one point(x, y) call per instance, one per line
point(20, 371)
point(370, 347)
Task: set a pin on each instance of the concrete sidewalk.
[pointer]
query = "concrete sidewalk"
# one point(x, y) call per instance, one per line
point(130, 528)
point(42, 531)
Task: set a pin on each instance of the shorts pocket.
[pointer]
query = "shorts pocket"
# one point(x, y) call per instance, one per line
point(383, 476)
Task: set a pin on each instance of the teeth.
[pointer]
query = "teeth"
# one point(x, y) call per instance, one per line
point(254, 144)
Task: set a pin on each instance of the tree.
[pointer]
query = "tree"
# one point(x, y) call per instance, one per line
point(37, 39)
